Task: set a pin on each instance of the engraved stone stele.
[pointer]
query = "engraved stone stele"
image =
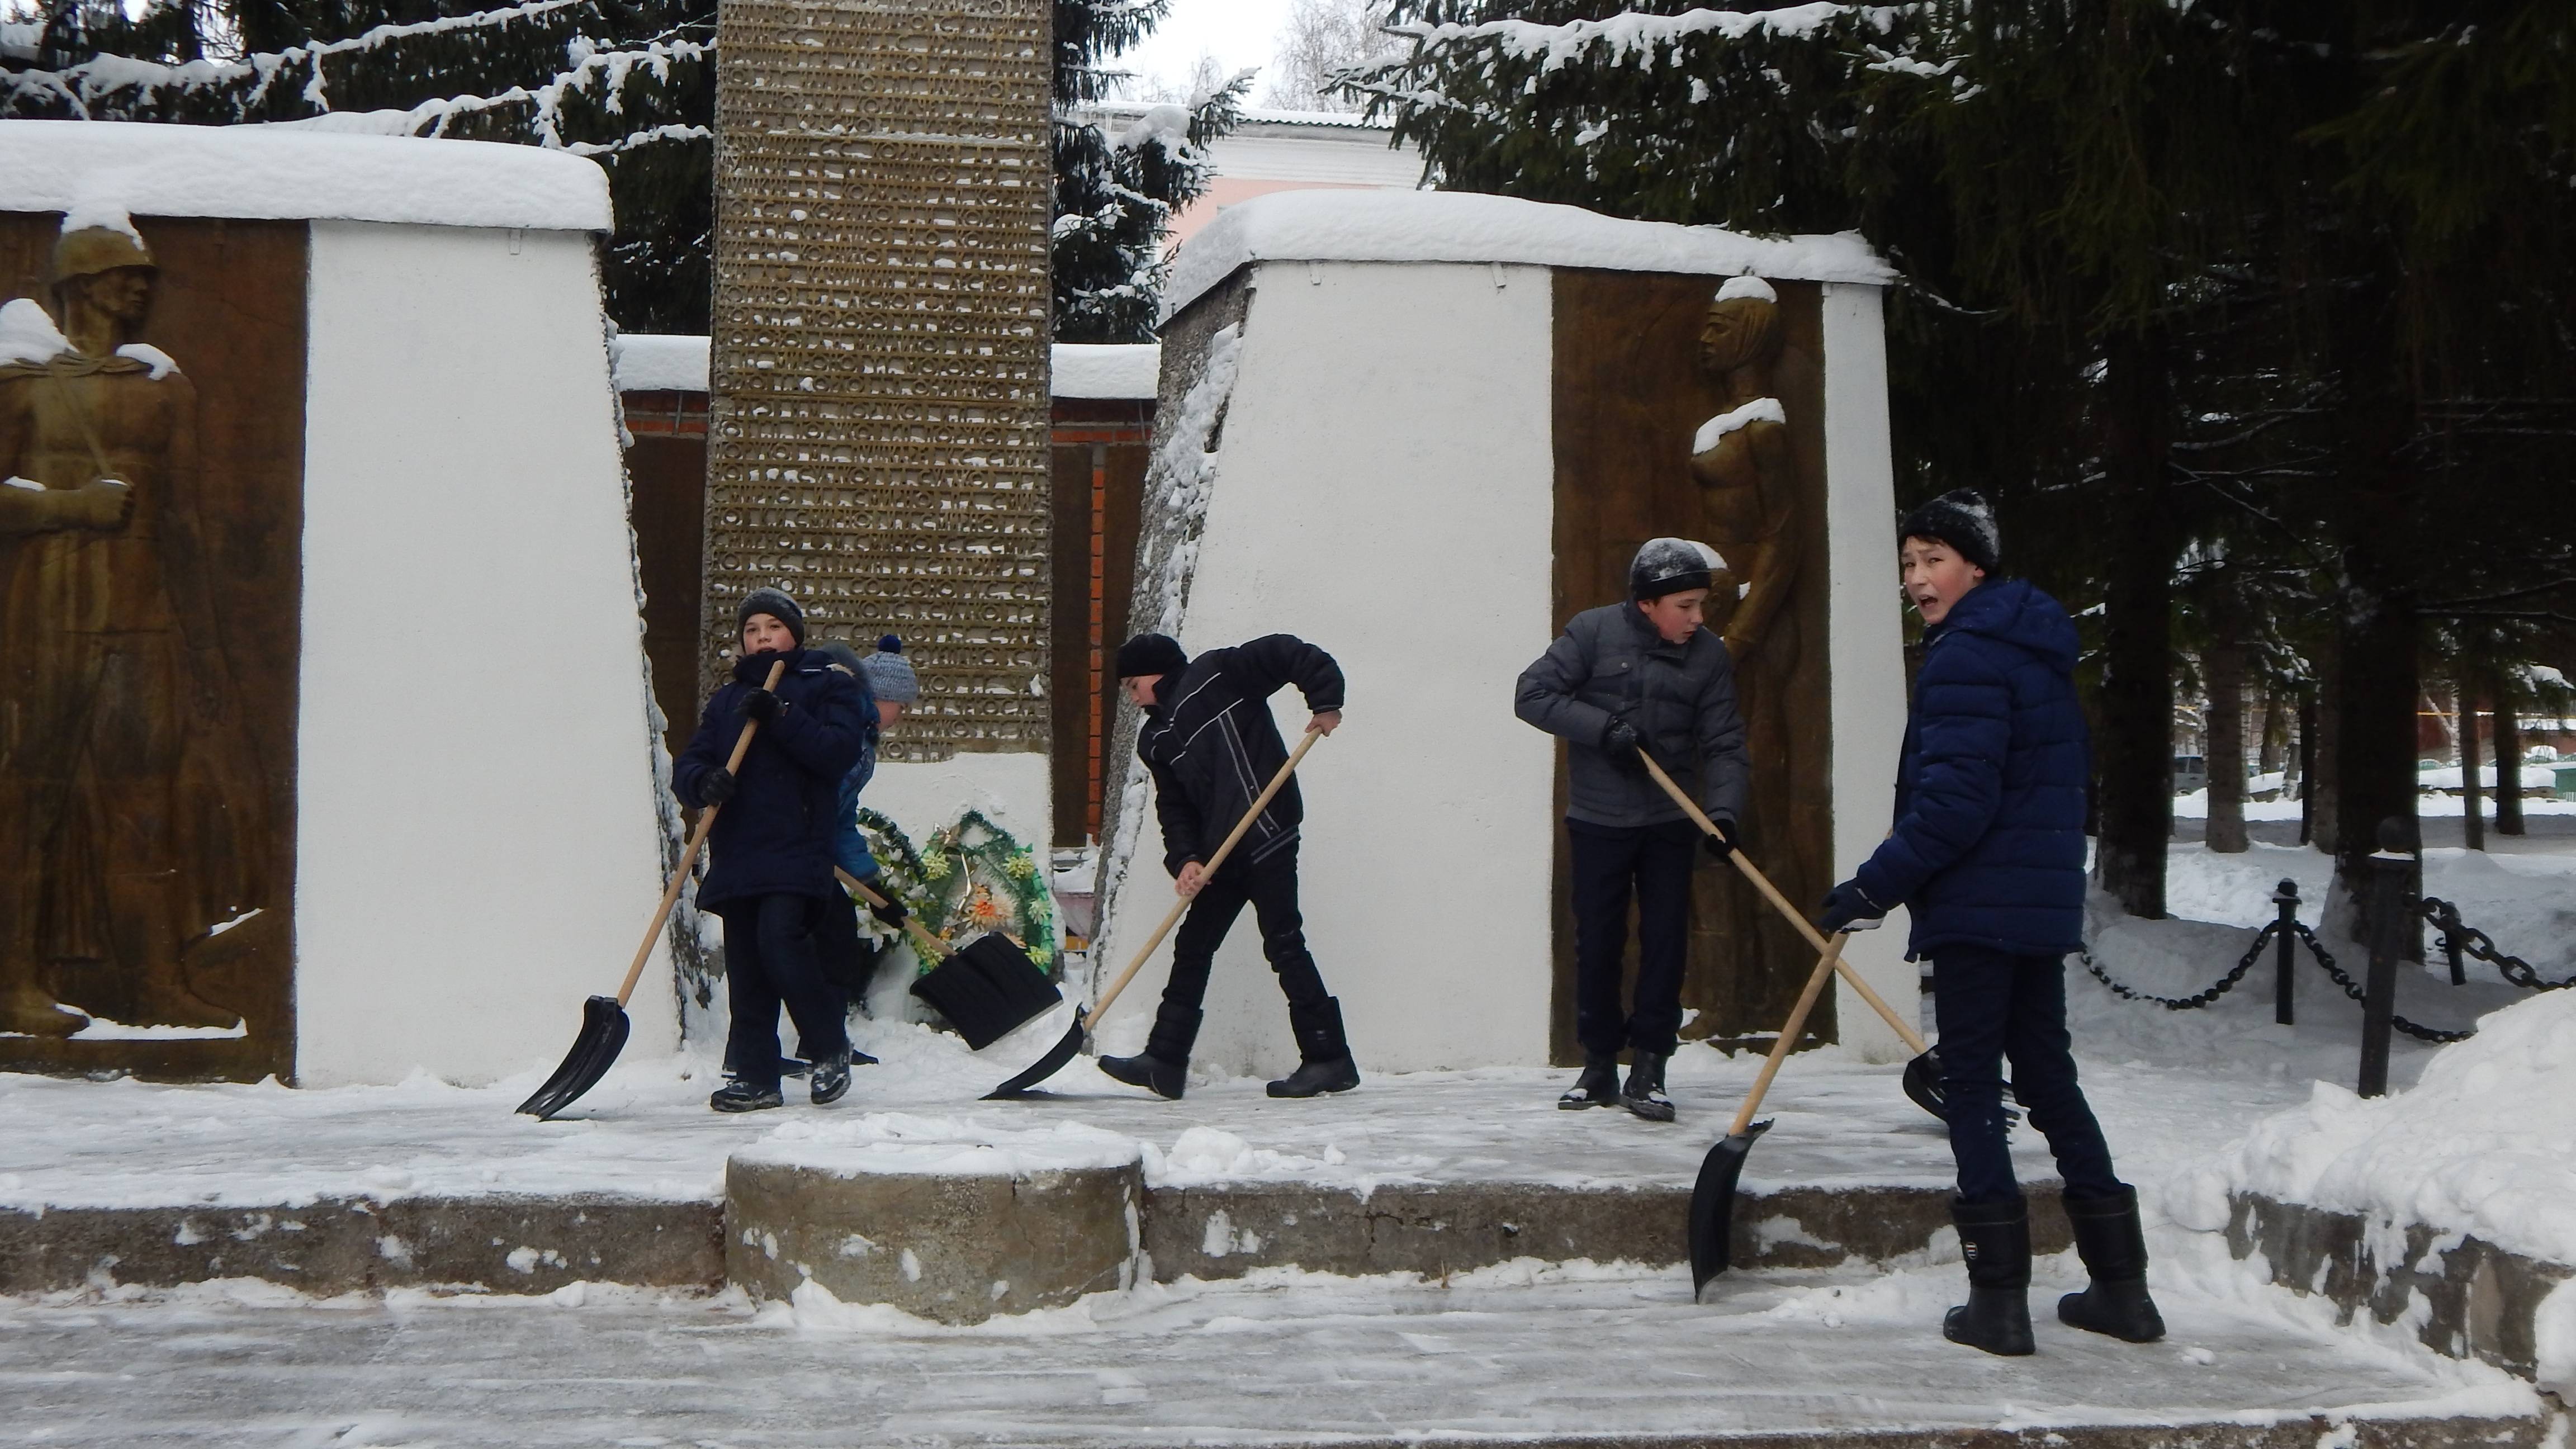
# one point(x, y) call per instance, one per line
point(955, 1231)
point(878, 437)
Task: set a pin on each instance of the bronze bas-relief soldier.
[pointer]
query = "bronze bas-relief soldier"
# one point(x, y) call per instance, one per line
point(127, 793)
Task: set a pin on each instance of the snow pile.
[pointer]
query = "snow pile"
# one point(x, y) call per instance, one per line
point(28, 333)
point(652, 362)
point(1111, 371)
point(2479, 1145)
point(898, 1142)
point(1206, 1155)
point(267, 172)
point(1760, 410)
point(1747, 289)
point(1456, 226)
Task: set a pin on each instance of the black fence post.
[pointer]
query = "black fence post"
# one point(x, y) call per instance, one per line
point(2451, 944)
point(2390, 870)
point(2285, 940)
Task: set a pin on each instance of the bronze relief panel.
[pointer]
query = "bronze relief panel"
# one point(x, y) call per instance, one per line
point(151, 507)
point(1680, 413)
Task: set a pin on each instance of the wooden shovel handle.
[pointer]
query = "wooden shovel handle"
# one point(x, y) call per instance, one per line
point(1816, 980)
point(1913, 1039)
point(689, 857)
point(921, 933)
point(1181, 907)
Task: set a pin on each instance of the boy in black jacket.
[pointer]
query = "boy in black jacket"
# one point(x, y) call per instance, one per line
point(1212, 747)
point(769, 872)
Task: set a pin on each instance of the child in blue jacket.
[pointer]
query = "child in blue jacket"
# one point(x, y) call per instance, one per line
point(1988, 857)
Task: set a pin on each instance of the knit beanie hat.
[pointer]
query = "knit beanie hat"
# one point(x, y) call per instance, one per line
point(1962, 519)
point(1151, 654)
point(776, 605)
point(889, 674)
point(1671, 565)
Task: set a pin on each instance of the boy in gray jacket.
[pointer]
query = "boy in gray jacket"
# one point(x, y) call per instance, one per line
point(1640, 674)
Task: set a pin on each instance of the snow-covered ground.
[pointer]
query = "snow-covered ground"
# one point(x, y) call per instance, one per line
point(1522, 1351)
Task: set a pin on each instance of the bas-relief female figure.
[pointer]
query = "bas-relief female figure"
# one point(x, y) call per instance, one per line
point(1750, 496)
point(128, 796)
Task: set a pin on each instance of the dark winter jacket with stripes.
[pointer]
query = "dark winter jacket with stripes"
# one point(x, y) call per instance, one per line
point(1680, 698)
point(1989, 841)
point(1212, 746)
point(775, 834)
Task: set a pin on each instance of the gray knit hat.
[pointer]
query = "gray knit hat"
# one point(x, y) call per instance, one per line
point(1670, 566)
point(889, 674)
point(776, 605)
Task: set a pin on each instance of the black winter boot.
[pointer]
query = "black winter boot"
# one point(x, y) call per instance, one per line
point(737, 1095)
point(1644, 1092)
point(831, 1079)
point(1163, 1067)
point(1996, 1238)
point(1326, 1055)
point(1597, 1087)
point(2113, 1245)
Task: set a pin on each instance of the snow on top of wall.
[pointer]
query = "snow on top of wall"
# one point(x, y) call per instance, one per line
point(2478, 1145)
point(268, 172)
point(655, 362)
point(1457, 226)
point(1092, 370)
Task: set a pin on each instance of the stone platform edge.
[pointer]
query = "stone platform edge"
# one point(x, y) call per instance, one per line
point(536, 1244)
point(2479, 1301)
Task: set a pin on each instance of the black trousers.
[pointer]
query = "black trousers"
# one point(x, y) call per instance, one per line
point(771, 959)
point(1611, 863)
point(1269, 886)
point(1994, 1007)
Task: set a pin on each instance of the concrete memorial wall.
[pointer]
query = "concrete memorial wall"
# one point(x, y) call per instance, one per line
point(329, 751)
point(1422, 431)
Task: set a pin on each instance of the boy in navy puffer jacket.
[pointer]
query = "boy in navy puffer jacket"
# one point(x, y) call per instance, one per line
point(769, 872)
point(1988, 855)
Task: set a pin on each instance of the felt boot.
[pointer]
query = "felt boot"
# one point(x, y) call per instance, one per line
point(1644, 1092)
point(1325, 1055)
point(1996, 1238)
point(26, 1010)
point(2113, 1245)
point(1597, 1087)
point(1163, 1067)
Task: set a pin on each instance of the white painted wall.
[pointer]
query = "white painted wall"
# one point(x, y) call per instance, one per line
point(1384, 481)
point(477, 846)
point(1865, 651)
point(1014, 791)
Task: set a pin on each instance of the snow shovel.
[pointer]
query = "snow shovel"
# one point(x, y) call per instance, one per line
point(986, 988)
point(1923, 1074)
point(1064, 1051)
point(1712, 1207)
point(603, 1018)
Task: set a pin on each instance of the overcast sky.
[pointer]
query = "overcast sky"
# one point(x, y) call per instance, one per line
point(1239, 33)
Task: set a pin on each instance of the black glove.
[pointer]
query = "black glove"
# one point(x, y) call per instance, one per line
point(716, 787)
point(1846, 904)
point(1724, 842)
point(760, 704)
point(1620, 740)
point(890, 911)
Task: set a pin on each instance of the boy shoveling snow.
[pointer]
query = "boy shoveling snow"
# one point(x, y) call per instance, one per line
point(771, 849)
point(1988, 854)
point(1212, 746)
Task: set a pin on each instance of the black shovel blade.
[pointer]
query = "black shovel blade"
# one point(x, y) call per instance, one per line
point(1923, 1085)
point(1712, 1207)
point(987, 990)
point(603, 1036)
point(1044, 1067)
